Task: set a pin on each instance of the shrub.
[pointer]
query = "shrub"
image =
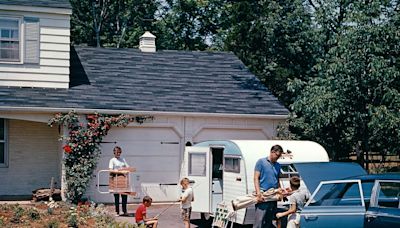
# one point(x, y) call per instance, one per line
point(53, 224)
point(18, 212)
point(33, 214)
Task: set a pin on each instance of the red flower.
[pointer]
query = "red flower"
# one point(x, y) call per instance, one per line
point(67, 149)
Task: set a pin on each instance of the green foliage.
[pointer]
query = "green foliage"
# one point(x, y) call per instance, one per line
point(111, 23)
point(33, 214)
point(18, 212)
point(82, 146)
point(355, 96)
point(73, 217)
point(53, 224)
point(274, 39)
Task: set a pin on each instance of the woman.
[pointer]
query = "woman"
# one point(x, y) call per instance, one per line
point(119, 167)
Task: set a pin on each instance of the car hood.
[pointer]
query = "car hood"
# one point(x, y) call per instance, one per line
point(313, 173)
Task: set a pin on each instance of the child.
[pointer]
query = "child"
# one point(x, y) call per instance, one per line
point(186, 201)
point(140, 214)
point(297, 199)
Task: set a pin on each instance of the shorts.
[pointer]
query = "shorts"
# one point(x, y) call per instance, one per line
point(185, 213)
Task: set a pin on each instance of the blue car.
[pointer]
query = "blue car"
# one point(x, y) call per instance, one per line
point(345, 196)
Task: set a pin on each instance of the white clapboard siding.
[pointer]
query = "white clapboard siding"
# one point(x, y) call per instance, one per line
point(54, 62)
point(55, 39)
point(54, 31)
point(54, 47)
point(56, 23)
point(46, 69)
point(51, 68)
point(52, 84)
point(34, 77)
point(54, 55)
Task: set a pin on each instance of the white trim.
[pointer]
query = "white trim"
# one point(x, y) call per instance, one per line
point(37, 9)
point(141, 112)
point(21, 40)
point(334, 213)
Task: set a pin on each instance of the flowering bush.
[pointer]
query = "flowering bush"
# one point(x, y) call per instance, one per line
point(82, 146)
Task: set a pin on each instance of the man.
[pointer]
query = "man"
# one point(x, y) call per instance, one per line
point(266, 176)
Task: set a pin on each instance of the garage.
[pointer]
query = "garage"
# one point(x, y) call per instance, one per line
point(153, 151)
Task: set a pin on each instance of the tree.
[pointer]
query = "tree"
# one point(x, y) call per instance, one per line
point(355, 96)
point(188, 24)
point(111, 23)
point(274, 39)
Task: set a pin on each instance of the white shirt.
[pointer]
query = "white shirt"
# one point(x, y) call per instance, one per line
point(188, 194)
point(117, 163)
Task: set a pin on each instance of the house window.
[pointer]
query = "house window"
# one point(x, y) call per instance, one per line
point(232, 164)
point(9, 40)
point(3, 143)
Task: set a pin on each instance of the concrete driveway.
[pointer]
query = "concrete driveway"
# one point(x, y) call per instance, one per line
point(169, 218)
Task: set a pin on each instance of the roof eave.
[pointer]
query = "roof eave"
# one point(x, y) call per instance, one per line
point(52, 10)
point(138, 112)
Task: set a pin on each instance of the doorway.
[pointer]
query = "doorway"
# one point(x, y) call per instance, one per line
point(217, 155)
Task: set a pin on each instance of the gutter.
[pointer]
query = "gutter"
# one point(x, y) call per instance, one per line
point(131, 112)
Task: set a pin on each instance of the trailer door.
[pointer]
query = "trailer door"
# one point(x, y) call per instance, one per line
point(198, 170)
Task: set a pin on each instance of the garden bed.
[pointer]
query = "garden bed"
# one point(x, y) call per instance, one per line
point(56, 215)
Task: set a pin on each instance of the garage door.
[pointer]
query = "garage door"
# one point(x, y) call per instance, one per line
point(154, 152)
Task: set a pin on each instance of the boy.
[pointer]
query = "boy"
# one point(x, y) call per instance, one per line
point(297, 200)
point(140, 214)
point(186, 201)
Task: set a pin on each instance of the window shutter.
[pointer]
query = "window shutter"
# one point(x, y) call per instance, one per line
point(31, 40)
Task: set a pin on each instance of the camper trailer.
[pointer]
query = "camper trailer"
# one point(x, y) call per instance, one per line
point(220, 171)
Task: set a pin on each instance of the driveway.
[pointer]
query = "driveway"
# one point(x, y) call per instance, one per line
point(169, 217)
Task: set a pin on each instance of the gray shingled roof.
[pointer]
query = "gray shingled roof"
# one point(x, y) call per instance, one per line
point(165, 81)
point(40, 3)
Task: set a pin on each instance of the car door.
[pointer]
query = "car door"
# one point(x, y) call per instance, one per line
point(337, 204)
point(384, 209)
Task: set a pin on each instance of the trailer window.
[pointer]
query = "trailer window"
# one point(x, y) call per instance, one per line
point(288, 170)
point(197, 164)
point(232, 164)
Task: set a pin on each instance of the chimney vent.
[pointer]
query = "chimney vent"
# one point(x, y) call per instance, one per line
point(147, 42)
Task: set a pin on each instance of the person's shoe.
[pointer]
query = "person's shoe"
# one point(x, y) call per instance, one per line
point(124, 214)
point(116, 214)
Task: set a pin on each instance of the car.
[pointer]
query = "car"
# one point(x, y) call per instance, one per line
point(345, 196)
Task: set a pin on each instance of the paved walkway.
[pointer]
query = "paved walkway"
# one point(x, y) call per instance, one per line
point(169, 217)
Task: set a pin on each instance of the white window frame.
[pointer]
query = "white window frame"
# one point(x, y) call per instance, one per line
point(21, 39)
point(5, 143)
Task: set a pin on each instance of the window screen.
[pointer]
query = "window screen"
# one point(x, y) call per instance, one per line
point(9, 39)
point(197, 164)
point(232, 164)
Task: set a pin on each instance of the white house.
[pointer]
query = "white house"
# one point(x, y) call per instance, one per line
point(193, 96)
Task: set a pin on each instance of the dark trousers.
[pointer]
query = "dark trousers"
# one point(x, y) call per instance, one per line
point(124, 201)
point(265, 213)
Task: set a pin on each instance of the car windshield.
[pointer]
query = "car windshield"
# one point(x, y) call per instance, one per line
point(340, 194)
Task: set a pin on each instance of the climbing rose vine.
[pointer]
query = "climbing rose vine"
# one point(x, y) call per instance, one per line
point(82, 145)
